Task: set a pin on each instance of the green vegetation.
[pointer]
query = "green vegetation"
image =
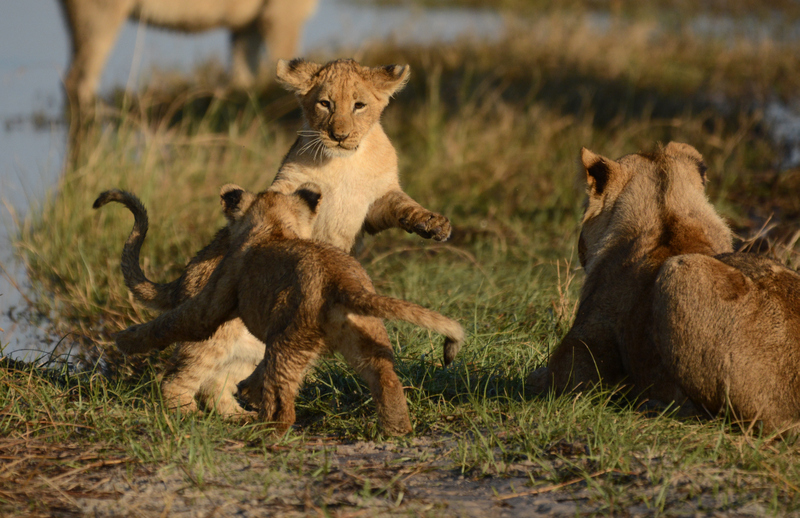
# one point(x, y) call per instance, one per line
point(487, 133)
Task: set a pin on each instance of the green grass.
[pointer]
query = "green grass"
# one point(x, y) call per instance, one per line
point(489, 135)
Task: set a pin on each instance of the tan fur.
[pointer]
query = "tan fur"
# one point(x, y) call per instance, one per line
point(361, 191)
point(343, 149)
point(205, 373)
point(302, 299)
point(94, 25)
point(641, 210)
point(728, 329)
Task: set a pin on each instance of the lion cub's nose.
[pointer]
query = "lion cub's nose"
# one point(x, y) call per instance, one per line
point(339, 136)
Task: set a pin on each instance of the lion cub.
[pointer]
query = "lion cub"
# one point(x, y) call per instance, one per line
point(666, 307)
point(299, 297)
point(343, 149)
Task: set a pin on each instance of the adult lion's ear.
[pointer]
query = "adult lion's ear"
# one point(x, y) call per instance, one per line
point(296, 75)
point(390, 79)
point(310, 193)
point(599, 171)
point(235, 201)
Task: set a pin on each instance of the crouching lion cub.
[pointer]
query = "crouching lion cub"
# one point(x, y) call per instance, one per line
point(343, 149)
point(666, 308)
point(299, 297)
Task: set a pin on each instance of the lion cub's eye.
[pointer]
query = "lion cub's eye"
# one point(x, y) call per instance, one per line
point(325, 104)
point(359, 105)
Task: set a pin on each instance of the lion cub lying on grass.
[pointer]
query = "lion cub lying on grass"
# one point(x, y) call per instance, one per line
point(667, 308)
point(343, 149)
point(301, 298)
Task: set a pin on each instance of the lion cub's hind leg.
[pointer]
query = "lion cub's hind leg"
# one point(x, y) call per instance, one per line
point(364, 343)
point(210, 370)
point(237, 354)
point(273, 386)
point(727, 328)
point(180, 383)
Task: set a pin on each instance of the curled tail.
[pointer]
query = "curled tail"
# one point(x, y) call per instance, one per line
point(371, 304)
point(156, 296)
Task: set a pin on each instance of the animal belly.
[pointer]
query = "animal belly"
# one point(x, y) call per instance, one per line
point(197, 15)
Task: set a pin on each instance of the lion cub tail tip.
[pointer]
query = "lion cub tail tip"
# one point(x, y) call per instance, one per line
point(124, 197)
point(452, 344)
point(108, 196)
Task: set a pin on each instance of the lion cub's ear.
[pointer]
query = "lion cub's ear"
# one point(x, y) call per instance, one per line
point(235, 201)
point(296, 75)
point(599, 170)
point(310, 193)
point(681, 149)
point(390, 79)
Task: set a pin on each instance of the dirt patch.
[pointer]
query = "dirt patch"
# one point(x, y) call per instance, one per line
point(326, 477)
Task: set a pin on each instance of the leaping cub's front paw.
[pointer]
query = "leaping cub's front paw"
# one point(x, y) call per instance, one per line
point(427, 224)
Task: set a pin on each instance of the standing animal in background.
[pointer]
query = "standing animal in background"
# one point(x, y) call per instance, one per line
point(343, 149)
point(667, 308)
point(301, 298)
point(95, 24)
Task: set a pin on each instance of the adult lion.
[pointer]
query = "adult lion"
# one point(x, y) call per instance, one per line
point(94, 25)
point(667, 308)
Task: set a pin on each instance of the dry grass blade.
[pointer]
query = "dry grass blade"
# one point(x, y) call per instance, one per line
point(554, 487)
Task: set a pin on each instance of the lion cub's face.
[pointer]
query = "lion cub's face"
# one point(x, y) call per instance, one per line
point(341, 100)
point(270, 214)
point(655, 199)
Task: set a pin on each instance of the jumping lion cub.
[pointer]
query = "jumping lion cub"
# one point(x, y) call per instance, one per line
point(299, 297)
point(666, 307)
point(345, 151)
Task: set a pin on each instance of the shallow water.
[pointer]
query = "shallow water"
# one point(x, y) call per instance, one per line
point(34, 52)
